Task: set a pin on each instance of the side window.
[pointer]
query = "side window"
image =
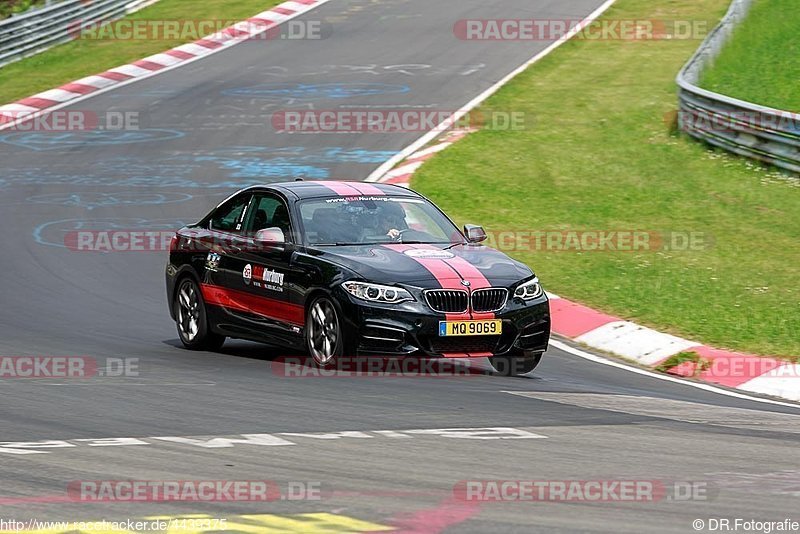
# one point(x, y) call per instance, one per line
point(268, 212)
point(229, 216)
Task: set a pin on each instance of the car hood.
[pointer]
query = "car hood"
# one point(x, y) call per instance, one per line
point(428, 265)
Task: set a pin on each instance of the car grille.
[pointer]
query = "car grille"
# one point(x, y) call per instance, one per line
point(458, 301)
point(489, 300)
point(446, 345)
point(447, 301)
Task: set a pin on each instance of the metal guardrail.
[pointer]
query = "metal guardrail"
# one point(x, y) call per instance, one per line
point(35, 31)
point(747, 129)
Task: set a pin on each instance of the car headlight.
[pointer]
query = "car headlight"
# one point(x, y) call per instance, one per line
point(377, 293)
point(529, 290)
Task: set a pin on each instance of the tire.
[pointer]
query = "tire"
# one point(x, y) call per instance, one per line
point(516, 364)
point(191, 319)
point(325, 336)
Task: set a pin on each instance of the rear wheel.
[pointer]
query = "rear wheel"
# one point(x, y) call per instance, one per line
point(191, 319)
point(325, 338)
point(516, 363)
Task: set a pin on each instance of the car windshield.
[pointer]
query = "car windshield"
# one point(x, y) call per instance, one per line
point(374, 220)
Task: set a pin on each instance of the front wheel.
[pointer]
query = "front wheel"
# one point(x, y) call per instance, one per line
point(191, 319)
point(516, 364)
point(325, 338)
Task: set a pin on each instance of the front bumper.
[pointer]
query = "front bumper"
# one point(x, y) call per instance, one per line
point(412, 329)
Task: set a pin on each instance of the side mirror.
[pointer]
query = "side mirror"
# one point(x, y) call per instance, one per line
point(475, 234)
point(271, 237)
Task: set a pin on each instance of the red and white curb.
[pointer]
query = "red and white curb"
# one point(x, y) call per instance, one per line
point(237, 33)
point(748, 372)
point(402, 174)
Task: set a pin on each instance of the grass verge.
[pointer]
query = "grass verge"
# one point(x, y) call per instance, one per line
point(602, 157)
point(16, 7)
point(84, 57)
point(761, 63)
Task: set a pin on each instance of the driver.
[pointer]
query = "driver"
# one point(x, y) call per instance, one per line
point(391, 219)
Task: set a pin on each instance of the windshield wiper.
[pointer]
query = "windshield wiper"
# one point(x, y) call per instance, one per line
point(453, 245)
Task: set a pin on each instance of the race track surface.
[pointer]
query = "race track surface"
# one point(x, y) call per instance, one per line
point(206, 131)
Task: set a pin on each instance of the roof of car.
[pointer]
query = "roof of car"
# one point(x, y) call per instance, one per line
point(316, 189)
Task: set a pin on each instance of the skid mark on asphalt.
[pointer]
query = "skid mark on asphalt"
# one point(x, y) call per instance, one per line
point(675, 410)
point(312, 523)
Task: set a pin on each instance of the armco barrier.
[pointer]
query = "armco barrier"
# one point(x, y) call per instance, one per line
point(758, 132)
point(32, 32)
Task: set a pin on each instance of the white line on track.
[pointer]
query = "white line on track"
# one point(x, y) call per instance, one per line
point(697, 385)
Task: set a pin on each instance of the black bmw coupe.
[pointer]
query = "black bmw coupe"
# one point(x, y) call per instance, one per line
point(345, 269)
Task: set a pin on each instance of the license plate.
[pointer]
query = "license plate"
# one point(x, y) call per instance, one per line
point(471, 328)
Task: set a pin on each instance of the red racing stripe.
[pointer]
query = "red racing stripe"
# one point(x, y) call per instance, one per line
point(444, 274)
point(476, 279)
point(264, 306)
point(368, 189)
point(340, 188)
point(443, 271)
point(468, 272)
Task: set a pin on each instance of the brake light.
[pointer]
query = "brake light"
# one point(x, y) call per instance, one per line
point(173, 243)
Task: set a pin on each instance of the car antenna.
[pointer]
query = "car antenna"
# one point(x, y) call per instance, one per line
point(299, 179)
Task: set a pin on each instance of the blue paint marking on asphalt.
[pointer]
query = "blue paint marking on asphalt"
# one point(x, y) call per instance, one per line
point(40, 141)
point(324, 91)
point(92, 200)
point(238, 167)
point(53, 233)
point(299, 153)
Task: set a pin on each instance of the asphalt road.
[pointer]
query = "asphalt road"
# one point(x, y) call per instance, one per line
point(205, 131)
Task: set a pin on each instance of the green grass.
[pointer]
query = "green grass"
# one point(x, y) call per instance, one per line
point(84, 57)
point(601, 156)
point(13, 7)
point(683, 357)
point(761, 63)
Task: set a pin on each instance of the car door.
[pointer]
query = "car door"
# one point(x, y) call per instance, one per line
point(269, 286)
point(222, 272)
